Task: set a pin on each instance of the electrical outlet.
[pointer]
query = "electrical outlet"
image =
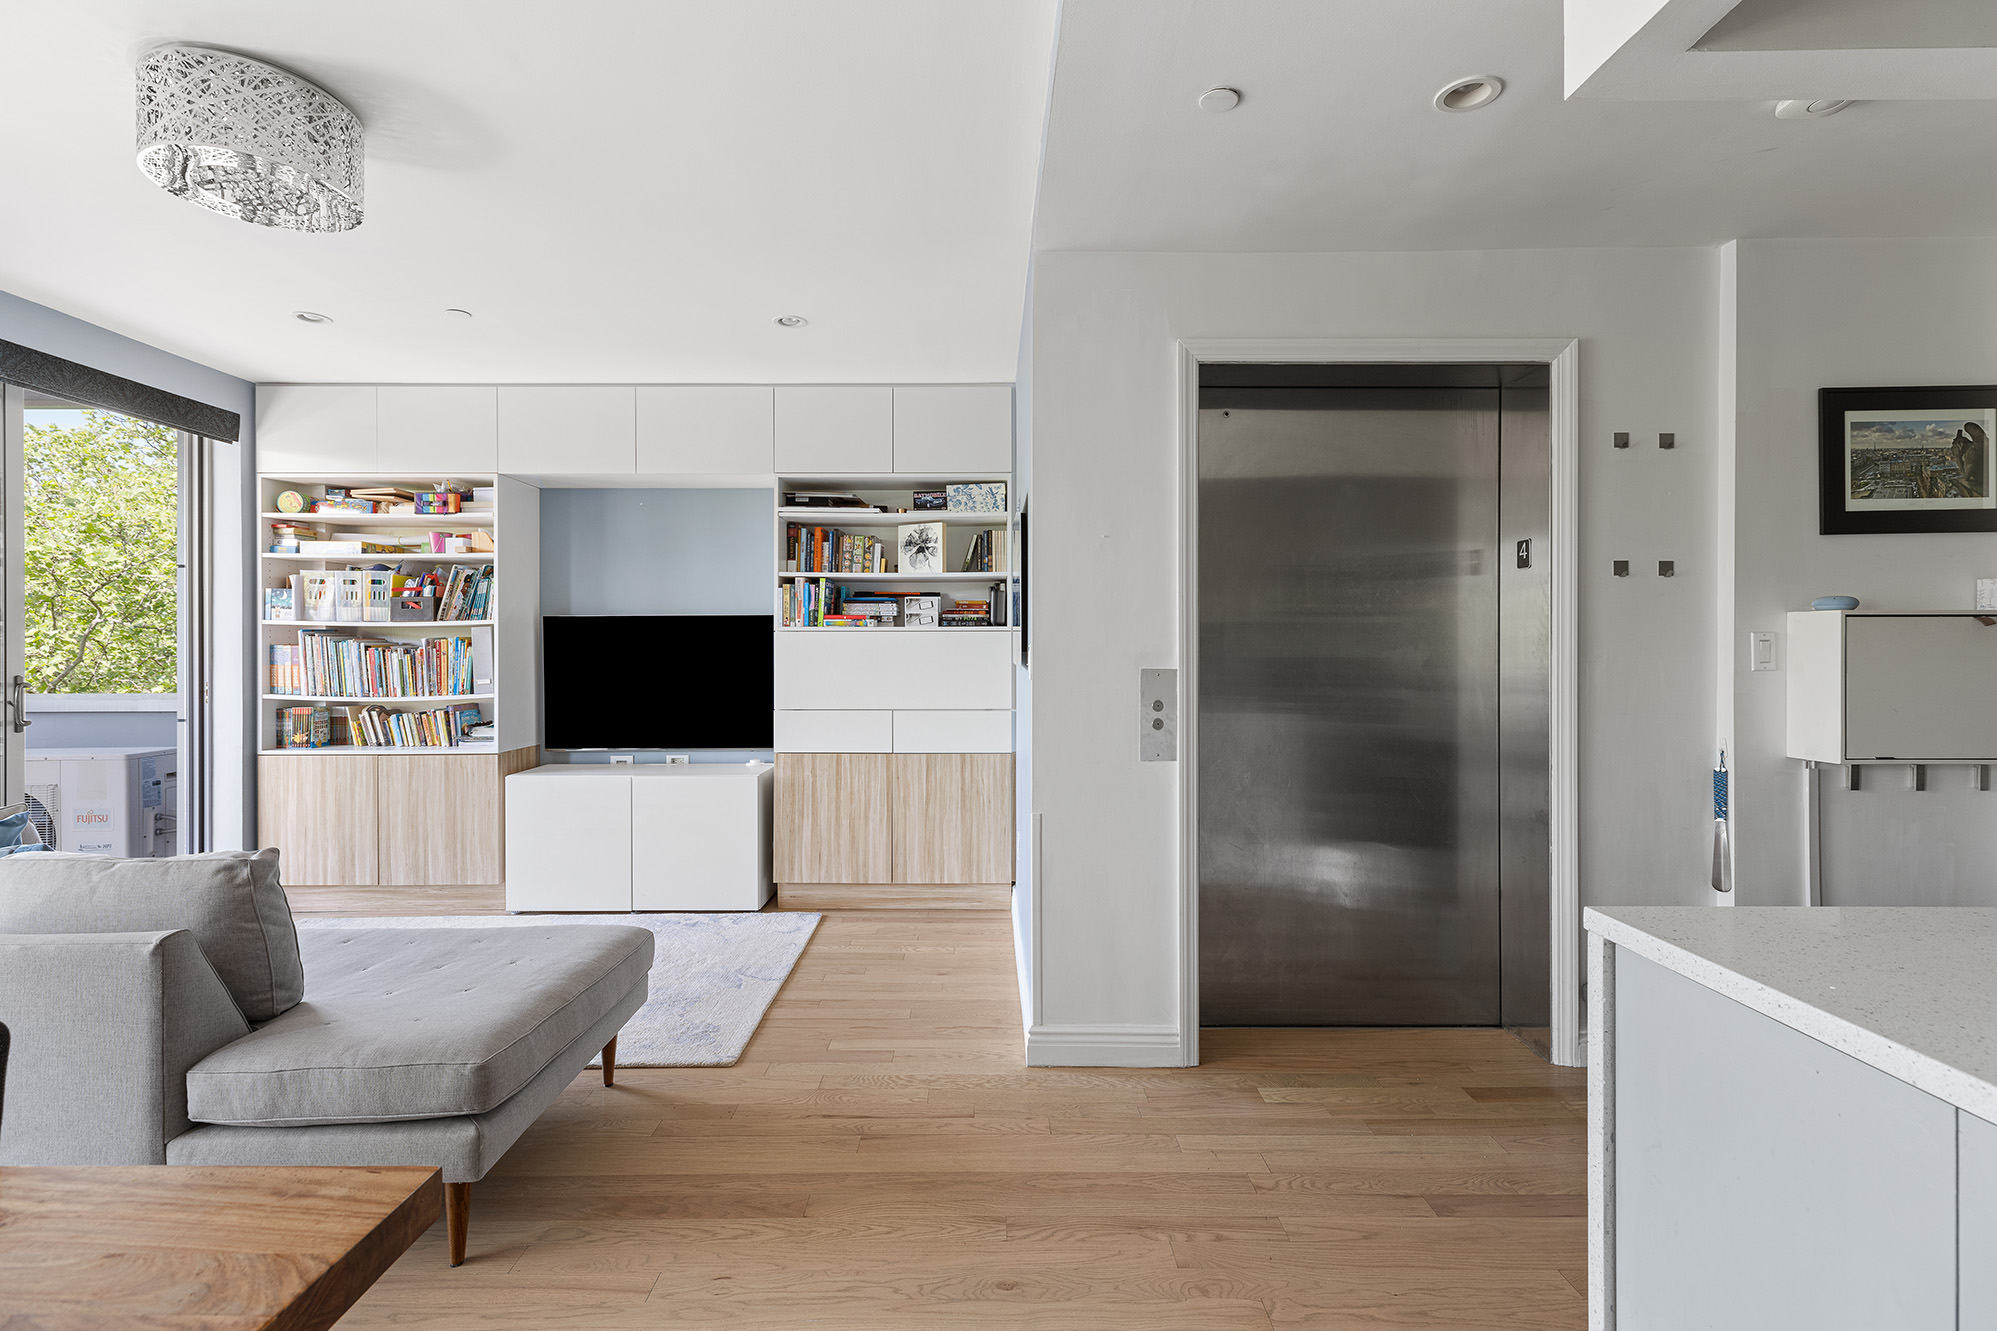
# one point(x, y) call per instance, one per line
point(677, 758)
point(623, 759)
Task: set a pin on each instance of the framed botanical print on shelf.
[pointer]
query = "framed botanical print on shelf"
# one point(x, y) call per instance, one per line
point(1907, 460)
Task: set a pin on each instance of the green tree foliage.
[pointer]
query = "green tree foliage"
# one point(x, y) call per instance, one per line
point(102, 524)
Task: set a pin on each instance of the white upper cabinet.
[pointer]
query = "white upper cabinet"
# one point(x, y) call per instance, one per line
point(568, 429)
point(834, 430)
point(710, 429)
point(310, 428)
point(427, 428)
point(953, 430)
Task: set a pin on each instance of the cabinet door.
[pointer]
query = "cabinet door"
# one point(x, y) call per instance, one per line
point(832, 818)
point(437, 819)
point(950, 430)
point(1977, 1214)
point(922, 670)
point(830, 431)
point(706, 429)
point(568, 841)
point(1906, 677)
point(319, 811)
point(953, 818)
point(1763, 1179)
point(700, 842)
point(439, 430)
point(311, 428)
point(579, 430)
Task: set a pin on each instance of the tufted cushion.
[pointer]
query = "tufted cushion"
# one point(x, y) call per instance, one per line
point(420, 1023)
point(231, 901)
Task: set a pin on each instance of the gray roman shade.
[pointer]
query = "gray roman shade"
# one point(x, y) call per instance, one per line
point(94, 388)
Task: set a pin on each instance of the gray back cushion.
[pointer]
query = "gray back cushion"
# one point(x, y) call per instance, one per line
point(231, 901)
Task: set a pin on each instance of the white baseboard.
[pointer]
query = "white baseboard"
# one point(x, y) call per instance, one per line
point(1104, 1047)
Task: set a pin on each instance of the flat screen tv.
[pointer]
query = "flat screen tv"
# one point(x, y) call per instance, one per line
point(657, 681)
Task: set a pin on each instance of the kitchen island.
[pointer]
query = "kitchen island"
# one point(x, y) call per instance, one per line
point(1792, 1118)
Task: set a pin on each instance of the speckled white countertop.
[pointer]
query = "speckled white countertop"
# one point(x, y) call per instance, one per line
point(1910, 990)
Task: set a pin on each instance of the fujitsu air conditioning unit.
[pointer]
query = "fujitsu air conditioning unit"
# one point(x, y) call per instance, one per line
point(108, 801)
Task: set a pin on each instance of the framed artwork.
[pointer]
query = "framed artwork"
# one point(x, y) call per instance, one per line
point(921, 547)
point(1907, 460)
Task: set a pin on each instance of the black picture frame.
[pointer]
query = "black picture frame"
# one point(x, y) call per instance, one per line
point(1962, 465)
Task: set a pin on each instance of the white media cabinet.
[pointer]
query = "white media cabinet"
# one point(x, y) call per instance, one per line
point(641, 836)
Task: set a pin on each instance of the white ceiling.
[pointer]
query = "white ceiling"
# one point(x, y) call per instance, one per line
point(620, 190)
point(1335, 145)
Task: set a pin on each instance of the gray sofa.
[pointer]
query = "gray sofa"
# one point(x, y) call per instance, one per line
point(168, 1012)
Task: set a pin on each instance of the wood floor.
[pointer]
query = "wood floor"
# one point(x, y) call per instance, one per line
point(882, 1158)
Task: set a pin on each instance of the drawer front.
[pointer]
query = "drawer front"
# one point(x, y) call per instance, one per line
point(835, 732)
point(953, 732)
point(893, 669)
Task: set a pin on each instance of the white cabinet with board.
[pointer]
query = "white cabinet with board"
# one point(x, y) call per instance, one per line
point(842, 428)
point(600, 837)
point(568, 429)
point(316, 427)
point(1868, 687)
point(944, 428)
point(705, 429)
point(441, 428)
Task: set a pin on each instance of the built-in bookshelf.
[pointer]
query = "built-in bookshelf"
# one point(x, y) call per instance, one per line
point(394, 631)
point(835, 559)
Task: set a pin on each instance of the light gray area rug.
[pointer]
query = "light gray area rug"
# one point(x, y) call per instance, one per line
point(713, 976)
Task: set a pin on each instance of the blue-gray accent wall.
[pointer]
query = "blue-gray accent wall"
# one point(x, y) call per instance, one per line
point(658, 552)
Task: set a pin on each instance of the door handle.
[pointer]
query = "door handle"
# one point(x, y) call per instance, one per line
point(17, 702)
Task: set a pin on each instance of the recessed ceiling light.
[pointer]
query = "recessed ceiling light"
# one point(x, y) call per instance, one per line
point(1470, 94)
point(311, 317)
point(458, 314)
point(1805, 109)
point(791, 321)
point(1216, 100)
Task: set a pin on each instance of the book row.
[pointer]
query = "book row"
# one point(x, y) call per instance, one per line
point(325, 665)
point(377, 726)
point(819, 603)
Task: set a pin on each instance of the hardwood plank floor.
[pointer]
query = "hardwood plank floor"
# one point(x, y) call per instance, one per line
point(882, 1157)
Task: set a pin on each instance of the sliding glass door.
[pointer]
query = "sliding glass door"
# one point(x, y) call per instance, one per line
point(13, 714)
point(104, 626)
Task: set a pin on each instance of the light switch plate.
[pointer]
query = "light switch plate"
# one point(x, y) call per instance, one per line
point(1158, 716)
point(1760, 651)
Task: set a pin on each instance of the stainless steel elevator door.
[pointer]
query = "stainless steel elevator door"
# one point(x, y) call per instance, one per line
point(1349, 813)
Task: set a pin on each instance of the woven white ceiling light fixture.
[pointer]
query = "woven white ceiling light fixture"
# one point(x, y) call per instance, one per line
point(248, 140)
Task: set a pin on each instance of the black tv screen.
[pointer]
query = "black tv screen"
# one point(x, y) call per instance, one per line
point(657, 681)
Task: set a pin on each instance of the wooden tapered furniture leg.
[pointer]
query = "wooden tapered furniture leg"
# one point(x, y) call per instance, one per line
point(457, 1216)
point(610, 1062)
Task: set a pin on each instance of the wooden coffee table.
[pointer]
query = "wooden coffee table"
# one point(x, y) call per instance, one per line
point(200, 1248)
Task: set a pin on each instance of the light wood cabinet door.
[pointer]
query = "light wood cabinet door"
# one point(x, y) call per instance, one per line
point(952, 817)
point(832, 818)
point(437, 819)
point(319, 811)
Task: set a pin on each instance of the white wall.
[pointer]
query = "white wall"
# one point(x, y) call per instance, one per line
point(1104, 468)
point(1812, 314)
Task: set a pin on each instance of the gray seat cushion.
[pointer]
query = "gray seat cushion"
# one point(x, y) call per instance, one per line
point(230, 901)
point(420, 1023)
